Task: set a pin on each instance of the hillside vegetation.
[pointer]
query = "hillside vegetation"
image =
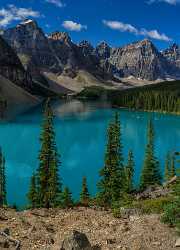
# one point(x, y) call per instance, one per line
point(163, 97)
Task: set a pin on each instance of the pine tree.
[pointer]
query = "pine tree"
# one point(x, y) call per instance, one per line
point(167, 167)
point(84, 195)
point(129, 172)
point(112, 174)
point(66, 198)
point(172, 171)
point(32, 195)
point(3, 200)
point(150, 174)
point(48, 182)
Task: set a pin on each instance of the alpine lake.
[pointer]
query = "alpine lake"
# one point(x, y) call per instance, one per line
point(81, 139)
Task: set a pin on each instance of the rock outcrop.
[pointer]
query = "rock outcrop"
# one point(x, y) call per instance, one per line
point(75, 240)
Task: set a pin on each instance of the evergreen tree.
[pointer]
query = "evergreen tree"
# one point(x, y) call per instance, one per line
point(48, 183)
point(150, 174)
point(129, 172)
point(167, 167)
point(3, 200)
point(172, 167)
point(112, 174)
point(154, 97)
point(84, 196)
point(66, 198)
point(32, 195)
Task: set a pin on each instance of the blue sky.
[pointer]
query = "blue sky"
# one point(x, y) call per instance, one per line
point(118, 22)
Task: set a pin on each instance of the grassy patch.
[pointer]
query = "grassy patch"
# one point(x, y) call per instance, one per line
point(152, 205)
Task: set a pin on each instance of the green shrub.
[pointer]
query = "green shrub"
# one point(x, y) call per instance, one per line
point(171, 214)
point(117, 206)
point(152, 205)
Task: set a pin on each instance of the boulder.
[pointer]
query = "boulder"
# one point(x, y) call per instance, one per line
point(177, 244)
point(76, 241)
point(127, 212)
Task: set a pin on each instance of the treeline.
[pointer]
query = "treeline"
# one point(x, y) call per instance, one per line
point(162, 97)
point(116, 185)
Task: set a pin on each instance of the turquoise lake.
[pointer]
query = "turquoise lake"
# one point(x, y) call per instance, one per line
point(81, 139)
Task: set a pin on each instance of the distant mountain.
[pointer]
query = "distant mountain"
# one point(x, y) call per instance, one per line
point(32, 47)
point(172, 54)
point(141, 60)
point(17, 88)
point(54, 57)
point(55, 53)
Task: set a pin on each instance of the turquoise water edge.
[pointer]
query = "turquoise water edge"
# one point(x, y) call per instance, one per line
point(81, 139)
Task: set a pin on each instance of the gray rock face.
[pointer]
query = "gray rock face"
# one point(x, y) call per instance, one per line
point(141, 60)
point(172, 54)
point(65, 51)
point(103, 51)
point(31, 45)
point(76, 241)
point(11, 67)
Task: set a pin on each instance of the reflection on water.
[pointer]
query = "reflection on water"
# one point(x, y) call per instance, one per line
point(81, 138)
point(77, 108)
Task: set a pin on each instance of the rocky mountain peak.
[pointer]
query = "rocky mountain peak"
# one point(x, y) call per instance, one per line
point(103, 50)
point(145, 44)
point(26, 35)
point(172, 54)
point(60, 36)
point(57, 52)
point(140, 60)
point(86, 47)
point(28, 22)
point(85, 44)
point(27, 26)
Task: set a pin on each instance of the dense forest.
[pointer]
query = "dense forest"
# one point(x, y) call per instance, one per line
point(163, 97)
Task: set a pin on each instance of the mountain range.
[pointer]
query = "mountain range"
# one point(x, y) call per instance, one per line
point(38, 63)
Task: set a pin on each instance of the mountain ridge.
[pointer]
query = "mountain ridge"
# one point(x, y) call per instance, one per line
point(57, 54)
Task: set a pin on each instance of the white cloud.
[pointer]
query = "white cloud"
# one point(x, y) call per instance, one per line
point(124, 27)
point(115, 25)
point(73, 26)
point(155, 35)
point(12, 13)
point(57, 3)
point(172, 2)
